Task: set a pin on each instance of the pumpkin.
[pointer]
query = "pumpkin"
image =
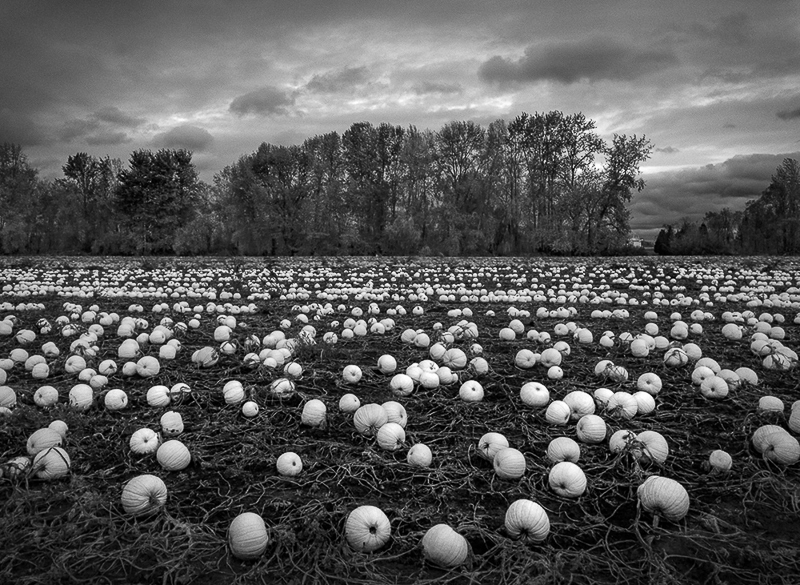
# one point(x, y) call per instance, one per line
point(249, 409)
point(620, 440)
point(490, 443)
point(43, 439)
point(591, 428)
point(550, 357)
point(391, 436)
point(282, 387)
point(602, 396)
point(534, 394)
point(171, 423)
point(81, 396)
point(770, 404)
point(115, 399)
point(314, 412)
point(509, 463)
point(580, 403)
point(402, 384)
point(563, 449)
point(387, 364)
point(650, 446)
point(45, 396)
point(8, 398)
point(720, 461)
point(714, 387)
point(369, 418)
point(158, 396)
point(419, 455)
point(51, 463)
point(645, 403)
point(233, 392)
point(664, 497)
point(247, 536)
point(74, 364)
point(60, 427)
point(622, 405)
point(351, 374)
point(349, 403)
point(675, 357)
point(367, 528)
point(395, 412)
point(649, 382)
point(15, 467)
point(144, 441)
point(289, 464)
point(747, 376)
point(205, 357)
point(527, 520)
point(471, 391)
point(776, 444)
point(143, 495)
point(558, 413)
point(429, 379)
point(173, 455)
point(148, 366)
point(444, 546)
point(567, 479)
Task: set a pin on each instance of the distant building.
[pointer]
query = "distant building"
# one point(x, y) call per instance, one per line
point(635, 241)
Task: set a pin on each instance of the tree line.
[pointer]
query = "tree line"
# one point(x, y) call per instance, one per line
point(542, 183)
point(769, 224)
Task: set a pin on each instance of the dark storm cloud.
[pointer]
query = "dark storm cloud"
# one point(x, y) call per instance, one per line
point(672, 195)
point(342, 80)
point(113, 115)
point(590, 59)
point(789, 114)
point(185, 136)
point(19, 129)
point(267, 101)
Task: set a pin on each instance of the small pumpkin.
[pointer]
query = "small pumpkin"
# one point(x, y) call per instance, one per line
point(314, 412)
point(115, 399)
point(527, 520)
point(563, 449)
point(45, 396)
point(558, 413)
point(43, 439)
point(776, 444)
point(81, 396)
point(591, 428)
point(144, 441)
point(419, 455)
point(490, 443)
point(650, 446)
point(444, 546)
point(349, 403)
point(247, 536)
point(367, 529)
point(369, 418)
point(143, 495)
point(471, 391)
point(171, 423)
point(534, 394)
point(289, 464)
point(391, 436)
point(720, 461)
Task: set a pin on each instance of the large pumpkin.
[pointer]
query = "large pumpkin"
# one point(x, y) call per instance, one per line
point(52, 463)
point(664, 496)
point(247, 536)
point(173, 455)
point(367, 528)
point(567, 479)
point(369, 418)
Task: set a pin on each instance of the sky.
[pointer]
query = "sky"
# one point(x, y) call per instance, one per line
point(713, 84)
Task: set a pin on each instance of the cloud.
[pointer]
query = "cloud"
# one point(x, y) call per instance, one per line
point(672, 195)
point(342, 80)
point(186, 136)
point(113, 115)
point(789, 114)
point(437, 87)
point(568, 62)
point(108, 138)
point(668, 150)
point(19, 128)
point(266, 101)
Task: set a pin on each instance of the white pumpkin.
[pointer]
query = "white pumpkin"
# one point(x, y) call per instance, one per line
point(776, 444)
point(402, 384)
point(527, 520)
point(580, 403)
point(250, 409)
point(720, 461)
point(143, 495)
point(349, 403)
point(173, 455)
point(558, 413)
point(591, 428)
point(51, 463)
point(42, 439)
point(247, 536)
point(419, 455)
point(369, 418)
point(144, 441)
point(158, 396)
point(314, 413)
point(534, 394)
point(367, 529)
point(81, 397)
point(171, 423)
point(115, 399)
point(490, 443)
point(395, 412)
point(471, 391)
point(45, 396)
point(650, 446)
point(665, 497)
point(509, 463)
point(567, 479)
point(289, 464)
point(444, 546)
point(563, 449)
point(391, 436)
point(352, 374)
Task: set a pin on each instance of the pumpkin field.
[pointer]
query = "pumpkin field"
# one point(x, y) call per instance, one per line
point(399, 420)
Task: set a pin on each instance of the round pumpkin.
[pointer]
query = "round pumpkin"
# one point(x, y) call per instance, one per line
point(247, 536)
point(43, 439)
point(314, 412)
point(444, 546)
point(664, 496)
point(289, 464)
point(367, 529)
point(509, 463)
point(51, 463)
point(143, 495)
point(173, 455)
point(534, 394)
point(144, 441)
point(369, 418)
point(563, 449)
point(490, 443)
point(567, 479)
point(419, 455)
point(527, 520)
point(650, 446)
point(391, 436)
point(591, 428)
